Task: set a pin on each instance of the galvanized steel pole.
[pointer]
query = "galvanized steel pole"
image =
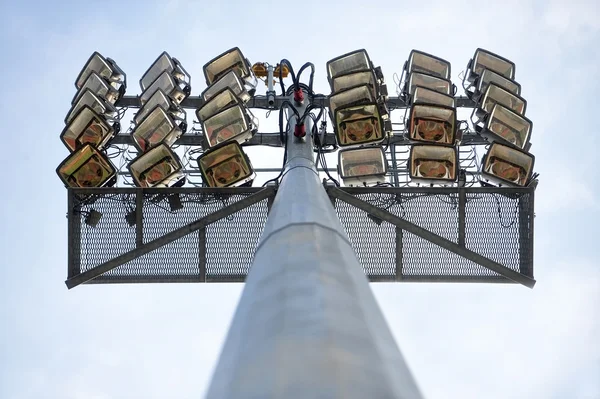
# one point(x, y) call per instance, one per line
point(308, 325)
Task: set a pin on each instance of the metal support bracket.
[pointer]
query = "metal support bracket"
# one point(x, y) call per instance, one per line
point(143, 249)
point(432, 237)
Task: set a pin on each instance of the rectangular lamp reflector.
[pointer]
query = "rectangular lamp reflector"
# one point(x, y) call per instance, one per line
point(163, 63)
point(231, 60)
point(498, 95)
point(87, 167)
point(429, 82)
point(506, 165)
point(362, 166)
point(433, 164)
point(353, 96)
point(159, 167)
point(225, 98)
point(419, 61)
point(230, 80)
point(484, 59)
point(423, 95)
point(225, 165)
point(232, 123)
point(507, 126)
point(162, 100)
point(360, 124)
point(177, 90)
point(433, 124)
point(353, 79)
point(87, 127)
point(100, 87)
point(94, 102)
point(156, 128)
point(351, 62)
point(105, 67)
point(488, 77)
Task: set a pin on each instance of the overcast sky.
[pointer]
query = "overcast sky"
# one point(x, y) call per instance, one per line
point(162, 341)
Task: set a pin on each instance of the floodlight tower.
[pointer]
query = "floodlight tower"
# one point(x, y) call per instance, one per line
point(307, 324)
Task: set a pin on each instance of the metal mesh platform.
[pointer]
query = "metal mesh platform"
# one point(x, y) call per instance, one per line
point(495, 223)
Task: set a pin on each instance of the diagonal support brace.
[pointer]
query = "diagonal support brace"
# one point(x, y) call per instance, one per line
point(170, 237)
point(432, 237)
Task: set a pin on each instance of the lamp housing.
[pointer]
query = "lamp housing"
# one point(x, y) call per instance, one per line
point(175, 88)
point(88, 127)
point(158, 127)
point(230, 80)
point(507, 166)
point(484, 59)
point(164, 63)
point(353, 61)
point(158, 167)
point(87, 167)
point(224, 117)
point(423, 95)
point(88, 98)
point(359, 124)
point(419, 61)
point(433, 164)
point(498, 95)
point(359, 78)
point(230, 60)
point(106, 68)
point(476, 91)
point(507, 127)
point(101, 88)
point(433, 124)
point(430, 82)
point(225, 165)
point(171, 108)
point(363, 166)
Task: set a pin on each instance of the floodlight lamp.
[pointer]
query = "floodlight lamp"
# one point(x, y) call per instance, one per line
point(486, 78)
point(158, 167)
point(362, 166)
point(164, 63)
point(161, 99)
point(225, 165)
point(419, 61)
point(506, 165)
point(351, 62)
point(430, 82)
point(106, 68)
point(232, 123)
point(507, 127)
point(87, 167)
point(156, 128)
point(358, 124)
point(423, 95)
point(353, 96)
point(432, 164)
point(498, 95)
point(100, 88)
point(176, 89)
point(484, 59)
point(88, 127)
point(353, 79)
point(230, 80)
point(88, 98)
point(231, 60)
point(432, 124)
point(223, 99)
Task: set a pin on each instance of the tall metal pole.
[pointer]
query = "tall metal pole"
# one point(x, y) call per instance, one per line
point(308, 325)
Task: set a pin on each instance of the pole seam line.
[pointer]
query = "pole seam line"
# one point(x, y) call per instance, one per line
point(346, 240)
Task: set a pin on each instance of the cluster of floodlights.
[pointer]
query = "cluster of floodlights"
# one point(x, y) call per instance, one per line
point(93, 121)
point(360, 117)
point(357, 109)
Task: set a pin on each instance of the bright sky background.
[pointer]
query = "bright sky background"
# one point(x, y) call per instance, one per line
point(162, 341)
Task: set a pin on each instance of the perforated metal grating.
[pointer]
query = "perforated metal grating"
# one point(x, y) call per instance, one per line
point(495, 223)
